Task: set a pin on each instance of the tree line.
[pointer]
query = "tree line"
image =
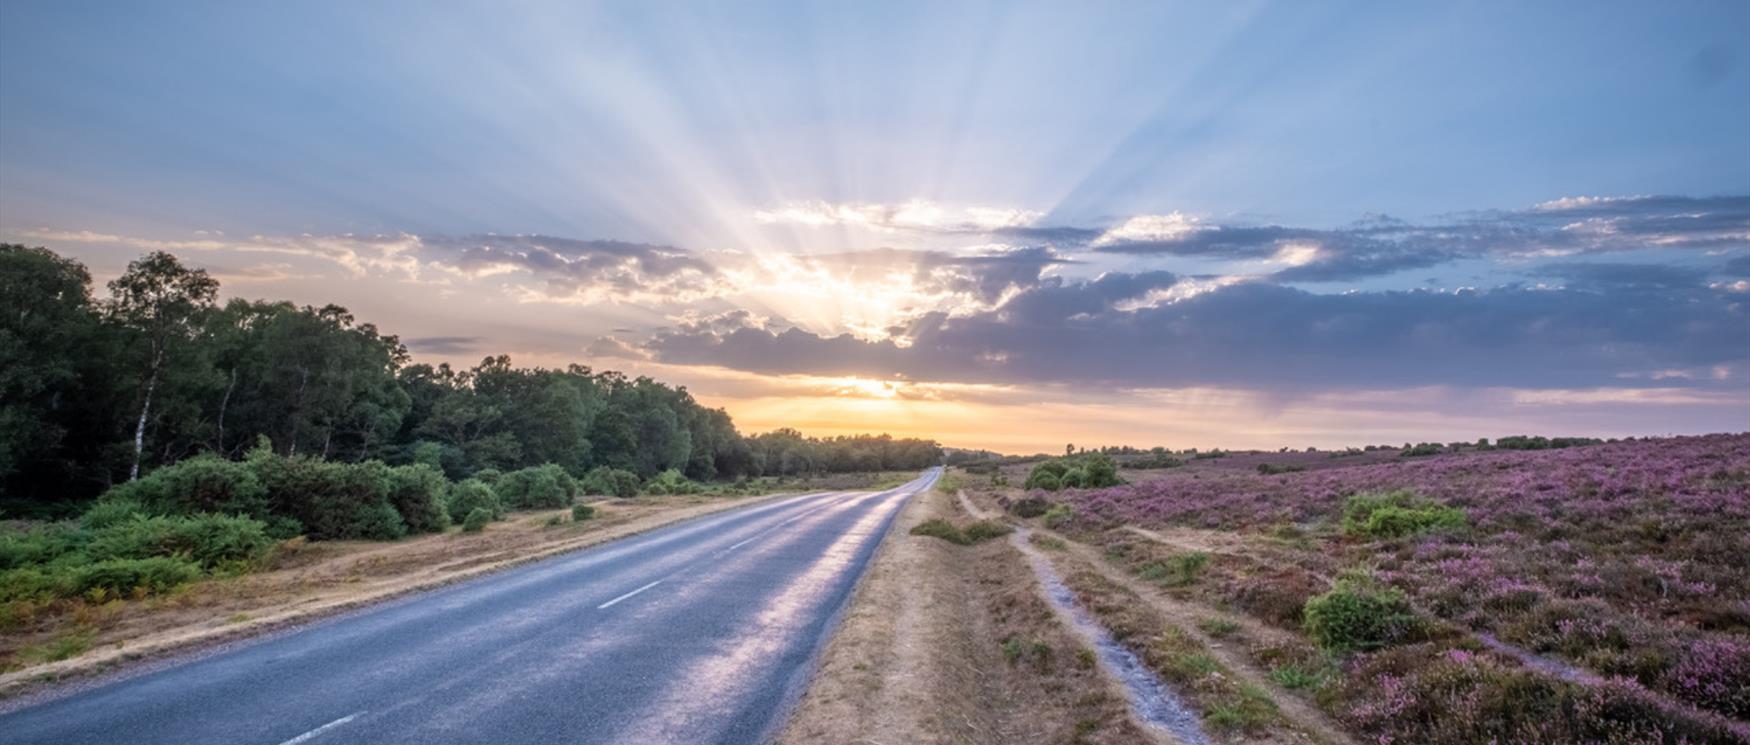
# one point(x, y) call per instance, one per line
point(95, 391)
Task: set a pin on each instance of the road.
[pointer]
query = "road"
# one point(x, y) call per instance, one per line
point(701, 632)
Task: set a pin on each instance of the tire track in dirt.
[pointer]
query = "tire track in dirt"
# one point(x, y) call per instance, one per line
point(1187, 615)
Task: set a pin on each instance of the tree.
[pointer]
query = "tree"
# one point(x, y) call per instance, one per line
point(47, 325)
point(161, 303)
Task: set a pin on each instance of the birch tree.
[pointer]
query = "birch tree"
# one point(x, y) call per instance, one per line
point(161, 302)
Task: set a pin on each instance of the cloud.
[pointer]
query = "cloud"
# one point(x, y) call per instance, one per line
point(1625, 277)
point(447, 345)
point(1269, 336)
point(1379, 246)
point(566, 270)
point(984, 276)
point(358, 254)
point(577, 271)
point(1736, 267)
point(915, 215)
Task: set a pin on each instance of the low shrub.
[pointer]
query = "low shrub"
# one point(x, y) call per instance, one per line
point(609, 482)
point(204, 483)
point(1356, 615)
point(671, 481)
point(582, 512)
point(330, 500)
point(975, 532)
point(1059, 515)
point(1175, 571)
point(38, 546)
point(1218, 627)
point(107, 512)
point(1295, 677)
point(476, 520)
point(1249, 709)
point(131, 577)
point(417, 492)
point(1397, 514)
point(1422, 449)
point(984, 530)
point(1086, 471)
point(536, 487)
point(1270, 469)
point(1417, 695)
point(938, 528)
point(211, 541)
point(471, 495)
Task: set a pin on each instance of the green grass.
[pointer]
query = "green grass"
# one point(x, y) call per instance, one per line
point(1295, 677)
point(61, 648)
point(1218, 627)
point(1249, 709)
point(1175, 571)
point(975, 532)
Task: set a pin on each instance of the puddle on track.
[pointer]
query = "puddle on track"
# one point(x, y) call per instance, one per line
point(1154, 703)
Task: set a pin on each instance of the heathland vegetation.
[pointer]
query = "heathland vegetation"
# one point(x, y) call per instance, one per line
point(1531, 590)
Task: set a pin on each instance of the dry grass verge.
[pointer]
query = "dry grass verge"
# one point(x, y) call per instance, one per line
point(946, 643)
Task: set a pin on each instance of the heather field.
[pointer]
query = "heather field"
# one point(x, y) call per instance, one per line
point(1598, 593)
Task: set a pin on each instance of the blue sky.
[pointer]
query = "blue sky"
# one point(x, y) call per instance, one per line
point(658, 184)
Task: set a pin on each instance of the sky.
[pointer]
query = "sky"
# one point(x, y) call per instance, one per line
point(1006, 225)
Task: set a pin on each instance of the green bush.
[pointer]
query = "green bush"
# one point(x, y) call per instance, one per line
point(1059, 515)
point(671, 481)
point(32, 584)
point(417, 492)
point(122, 577)
point(984, 530)
point(1421, 449)
point(936, 527)
point(581, 512)
point(470, 495)
point(106, 512)
point(978, 531)
point(204, 483)
point(1357, 616)
point(1086, 471)
point(1295, 677)
point(1270, 469)
point(488, 476)
point(536, 487)
point(610, 482)
point(1397, 514)
point(330, 500)
point(476, 520)
point(211, 541)
point(38, 546)
point(280, 527)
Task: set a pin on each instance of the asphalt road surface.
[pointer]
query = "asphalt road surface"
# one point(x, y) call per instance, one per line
point(701, 632)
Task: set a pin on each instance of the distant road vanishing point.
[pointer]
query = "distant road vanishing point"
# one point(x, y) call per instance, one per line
point(700, 632)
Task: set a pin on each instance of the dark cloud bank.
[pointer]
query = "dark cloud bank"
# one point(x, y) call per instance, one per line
point(1576, 318)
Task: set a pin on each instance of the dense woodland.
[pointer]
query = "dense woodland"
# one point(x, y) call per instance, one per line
point(95, 391)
